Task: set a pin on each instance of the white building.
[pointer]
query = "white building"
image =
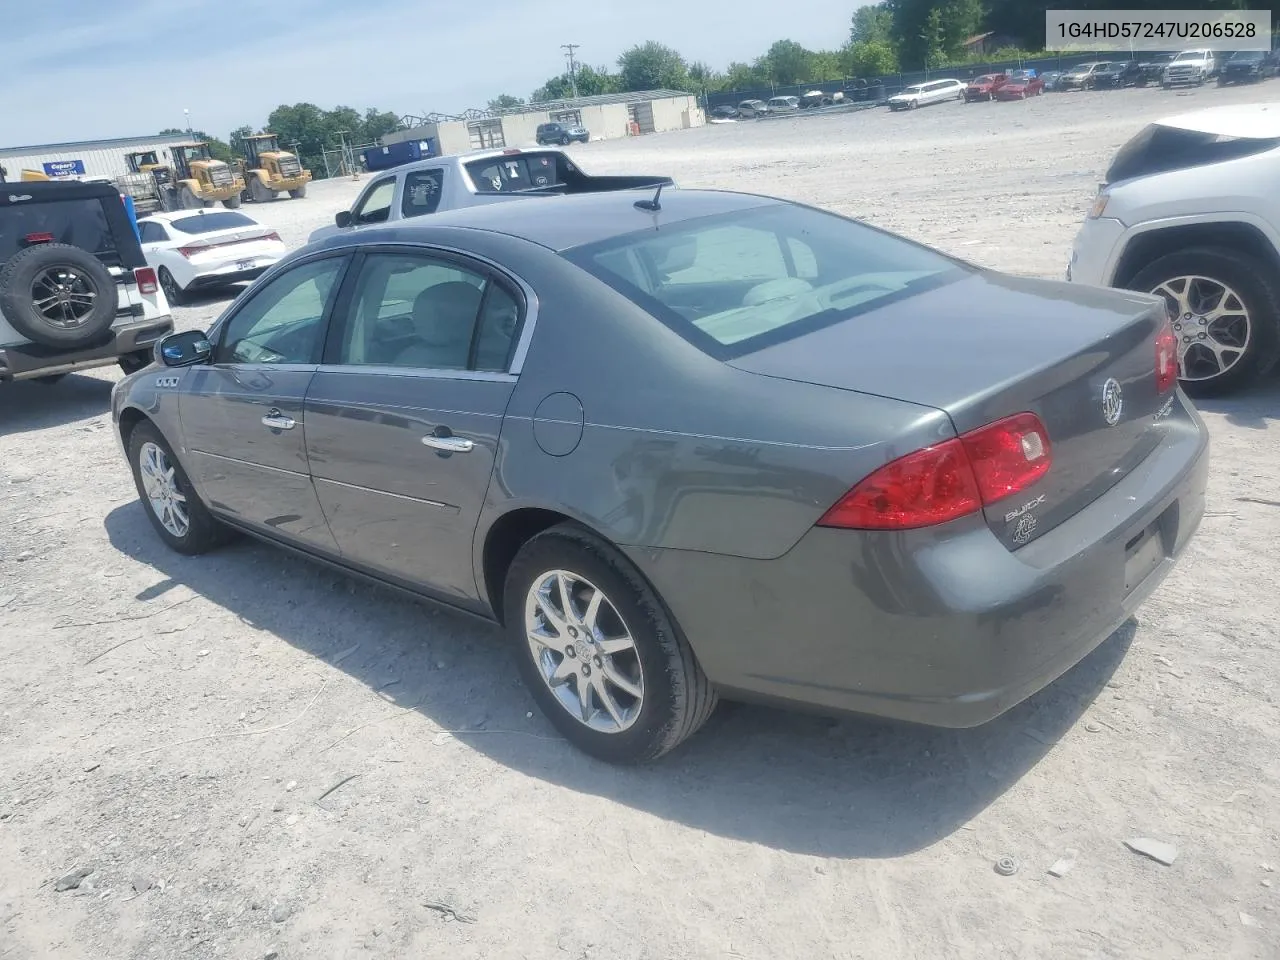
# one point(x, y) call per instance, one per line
point(92, 158)
point(605, 117)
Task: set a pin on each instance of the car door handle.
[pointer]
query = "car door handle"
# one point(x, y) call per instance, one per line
point(278, 421)
point(449, 444)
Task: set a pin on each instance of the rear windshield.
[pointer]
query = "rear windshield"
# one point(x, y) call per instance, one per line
point(1251, 56)
point(517, 172)
point(208, 222)
point(1160, 149)
point(81, 223)
point(736, 283)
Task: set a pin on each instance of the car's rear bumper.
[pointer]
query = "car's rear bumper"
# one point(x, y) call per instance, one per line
point(949, 629)
point(217, 275)
point(28, 361)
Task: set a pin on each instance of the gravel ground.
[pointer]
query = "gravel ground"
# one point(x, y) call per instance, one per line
point(177, 724)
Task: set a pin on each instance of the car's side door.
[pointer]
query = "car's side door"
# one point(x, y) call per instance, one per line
point(242, 415)
point(374, 205)
point(404, 414)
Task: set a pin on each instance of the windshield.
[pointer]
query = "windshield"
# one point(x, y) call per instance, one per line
point(919, 88)
point(208, 222)
point(1248, 55)
point(739, 282)
point(987, 78)
point(1189, 55)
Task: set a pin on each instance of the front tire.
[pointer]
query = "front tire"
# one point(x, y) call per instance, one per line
point(298, 193)
point(171, 503)
point(1226, 309)
point(598, 650)
point(188, 200)
point(232, 202)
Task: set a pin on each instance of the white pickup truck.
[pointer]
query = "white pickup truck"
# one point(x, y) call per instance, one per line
point(470, 179)
point(1191, 67)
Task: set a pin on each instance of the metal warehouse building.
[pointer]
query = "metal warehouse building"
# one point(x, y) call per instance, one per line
point(605, 117)
point(93, 158)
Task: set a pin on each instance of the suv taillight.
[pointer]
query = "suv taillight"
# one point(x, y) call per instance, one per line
point(949, 480)
point(1166, 359)
point(32, 238)
point(146, 278)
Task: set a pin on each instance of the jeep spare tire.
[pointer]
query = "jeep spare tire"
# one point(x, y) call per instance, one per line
point(58, 295)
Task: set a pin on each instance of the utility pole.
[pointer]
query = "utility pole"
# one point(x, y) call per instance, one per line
point(573, 65)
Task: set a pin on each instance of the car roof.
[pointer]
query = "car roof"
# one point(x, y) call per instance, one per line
point(168, 216)
point(577, 219)
point(1249, 120)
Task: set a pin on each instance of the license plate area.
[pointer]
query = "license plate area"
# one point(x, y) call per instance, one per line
point(245, 264)
point(1142, 554)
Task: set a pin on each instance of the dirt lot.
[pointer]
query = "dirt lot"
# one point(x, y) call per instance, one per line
point(177, 724)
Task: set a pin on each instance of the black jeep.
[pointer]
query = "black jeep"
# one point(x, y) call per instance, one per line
point(75, 288)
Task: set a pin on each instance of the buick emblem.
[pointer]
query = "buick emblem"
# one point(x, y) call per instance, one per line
point(1112, 402)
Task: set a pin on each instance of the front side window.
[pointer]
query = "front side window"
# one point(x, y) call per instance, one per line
point(735, 283)
point(284, 321)
point(376, 205)
point(421, 312)
point(421, 192)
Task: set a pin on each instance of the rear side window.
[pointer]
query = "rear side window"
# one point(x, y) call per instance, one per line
point(737, 283)
point(208, 222)
point(1161, 149)
point(512, 174)
point(421, 192)
point(81, 223)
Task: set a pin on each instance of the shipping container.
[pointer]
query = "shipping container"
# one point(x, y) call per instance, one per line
point(398, 154)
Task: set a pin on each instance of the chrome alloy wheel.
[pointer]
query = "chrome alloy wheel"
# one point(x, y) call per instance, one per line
point(64, 297)
point(160, 481)
point(584, 651)
point(1211, 323)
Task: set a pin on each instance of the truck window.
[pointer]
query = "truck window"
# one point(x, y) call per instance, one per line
point(422, 192)
point(376, 205)
point(511, 174)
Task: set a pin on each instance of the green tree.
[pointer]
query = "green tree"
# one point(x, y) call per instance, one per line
point(872, 23)
point(237, 138)
point(653, 66)
point(504, 101)
point(788, 62)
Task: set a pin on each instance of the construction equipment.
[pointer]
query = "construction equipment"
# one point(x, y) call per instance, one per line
point(267, 170)
point(148, 182)
point(196, 179)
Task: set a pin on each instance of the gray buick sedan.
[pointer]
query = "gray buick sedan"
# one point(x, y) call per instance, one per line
point(692, 445)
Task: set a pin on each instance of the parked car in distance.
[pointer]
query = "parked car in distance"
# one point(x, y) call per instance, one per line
point(752, 108)
point(1020, 85)
point(75, 289)
point(561, 133)
point(1081, 77)
point(725, 111)
point(783, 104)
point(820, 98)
point(1189, 211)
point(1190, 67)
point(1119, 74)
point(923, 94)
point(606, 427)
point(1247, 66)
point(472, 179)
point(204, 249)
point(1052, 80)
point(984, 87)
point(1153, 65)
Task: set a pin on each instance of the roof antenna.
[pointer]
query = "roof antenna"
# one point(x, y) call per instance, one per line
point(653, 204)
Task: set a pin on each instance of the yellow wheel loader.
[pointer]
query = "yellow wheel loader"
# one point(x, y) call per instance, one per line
point(267, 170)
point(196, 179)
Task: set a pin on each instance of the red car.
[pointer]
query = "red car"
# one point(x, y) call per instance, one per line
point(1020, 85)
point(985, 87)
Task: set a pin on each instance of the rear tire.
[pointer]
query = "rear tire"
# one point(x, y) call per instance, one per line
point(188, 200)
point(652, 658)
point(58, 295)
point(172, 292)
point(1256, 285)
point(231, 203)
point(165, 491)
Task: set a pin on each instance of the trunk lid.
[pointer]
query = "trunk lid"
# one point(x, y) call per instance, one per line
point(990, 346)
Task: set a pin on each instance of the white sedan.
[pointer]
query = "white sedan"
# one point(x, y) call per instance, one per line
point(191, 249)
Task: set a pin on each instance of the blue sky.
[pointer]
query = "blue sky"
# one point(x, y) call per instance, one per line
point(69, 73)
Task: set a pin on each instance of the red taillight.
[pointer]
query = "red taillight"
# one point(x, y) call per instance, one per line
point(190, 252)
point(949, 480)
point(273, 236)
point(146, 278)
point(1166, 359)
point(38, 238)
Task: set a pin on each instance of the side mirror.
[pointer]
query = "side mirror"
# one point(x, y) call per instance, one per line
point(184, 349)
point(343, 218)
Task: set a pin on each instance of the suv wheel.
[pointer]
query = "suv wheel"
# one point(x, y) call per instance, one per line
point(58, 295)
point(598, 650)
point(1225, 307)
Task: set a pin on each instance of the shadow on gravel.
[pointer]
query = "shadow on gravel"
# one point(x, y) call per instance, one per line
point(1251, 407)
point(842, 788)
point(26, 406)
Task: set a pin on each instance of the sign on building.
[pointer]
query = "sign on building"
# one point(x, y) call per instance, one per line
point(64, 168)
